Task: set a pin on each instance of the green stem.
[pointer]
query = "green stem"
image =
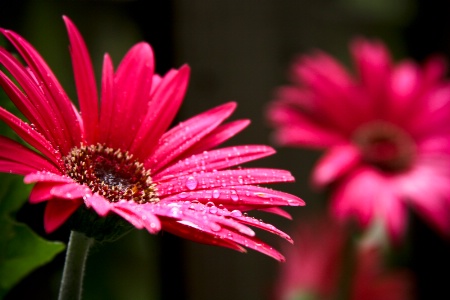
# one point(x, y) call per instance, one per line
point(72, 279)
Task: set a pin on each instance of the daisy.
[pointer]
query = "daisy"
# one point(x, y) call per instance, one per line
point(115, 158)
point(385, 132)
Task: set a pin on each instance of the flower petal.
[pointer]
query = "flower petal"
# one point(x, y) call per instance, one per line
point(336, 162)
point(215, 160)
point(60, 105)
point(132, 86)
point(84, 80)
point(43, 176)
point(57, 212)
point(101, 205)
point(239, 197)
point(357, 196)
point(183, 136)
point(138, 211)
point(29, 135)
point(107, 107)
point(42, 191)
point(14, 154)
point(217, 136)
point(222, 179)
point(166, 100)
point(71, 191)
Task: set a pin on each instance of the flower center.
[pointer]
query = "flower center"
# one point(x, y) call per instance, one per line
point(385, 146)
point(111, 173)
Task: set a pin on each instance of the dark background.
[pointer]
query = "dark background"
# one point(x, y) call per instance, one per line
point(238, 50)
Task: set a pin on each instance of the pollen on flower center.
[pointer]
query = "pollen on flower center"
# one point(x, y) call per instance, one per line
point(385, 145)
point(111, 173)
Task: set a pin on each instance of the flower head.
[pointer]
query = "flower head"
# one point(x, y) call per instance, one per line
point(318, 269)
point(116, 157)
point(385, 131)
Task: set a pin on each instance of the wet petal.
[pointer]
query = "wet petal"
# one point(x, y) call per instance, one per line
point(101, 205)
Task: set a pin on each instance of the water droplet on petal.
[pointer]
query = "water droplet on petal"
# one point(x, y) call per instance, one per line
point(236, 213)
point(213, 209)
point(191, 183)
point(215, 226)
point(216, 194)
point(234, 195)
point(183, 195)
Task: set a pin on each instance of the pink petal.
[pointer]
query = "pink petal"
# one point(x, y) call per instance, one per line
point(332, 87)
point(193, 234)
point(42, 191)
point(33, 138)
point(357, 196)
point(215, 160)
point(132, 86)
point(61, 107)
point(107, 107)
point(433, 204)
point(166, 101)
point(222, 179)
point(101, 205)
point(218, 136)
point(141, 212)
point(183, 136)
point(15, 168)
point(392, 211)
point(13, 153)
point(431, 116)
point(302, 130)
point(47, 177)
point(267, 227)
point(242, 196)
point(335, 163)
point(71, 191)
point(57, 212)
point(130, 217)
point(373, 63)
point(203, 219)
point(84, 80)
point(28, 103)
point(277, 211)
point(403, 88)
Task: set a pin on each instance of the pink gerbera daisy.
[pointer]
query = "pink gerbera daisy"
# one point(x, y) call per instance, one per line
point(116, 157)
point(385, 131)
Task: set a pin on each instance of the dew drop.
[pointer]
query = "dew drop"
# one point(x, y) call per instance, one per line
point(293, 203)
point(216, 194)
point(236, 213)
point(213, 209)
point(191, 183)
point(175, 212)
point(183, 195)
point(234, 195)
point(215, 226)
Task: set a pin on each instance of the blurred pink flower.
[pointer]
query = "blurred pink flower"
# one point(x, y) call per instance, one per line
point(385, 132)
point(118, 157)
point(316, 268)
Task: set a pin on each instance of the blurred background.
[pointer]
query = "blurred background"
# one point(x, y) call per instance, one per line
point(238, 50)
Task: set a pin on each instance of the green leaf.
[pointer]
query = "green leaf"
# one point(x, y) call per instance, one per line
point(21, 250)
